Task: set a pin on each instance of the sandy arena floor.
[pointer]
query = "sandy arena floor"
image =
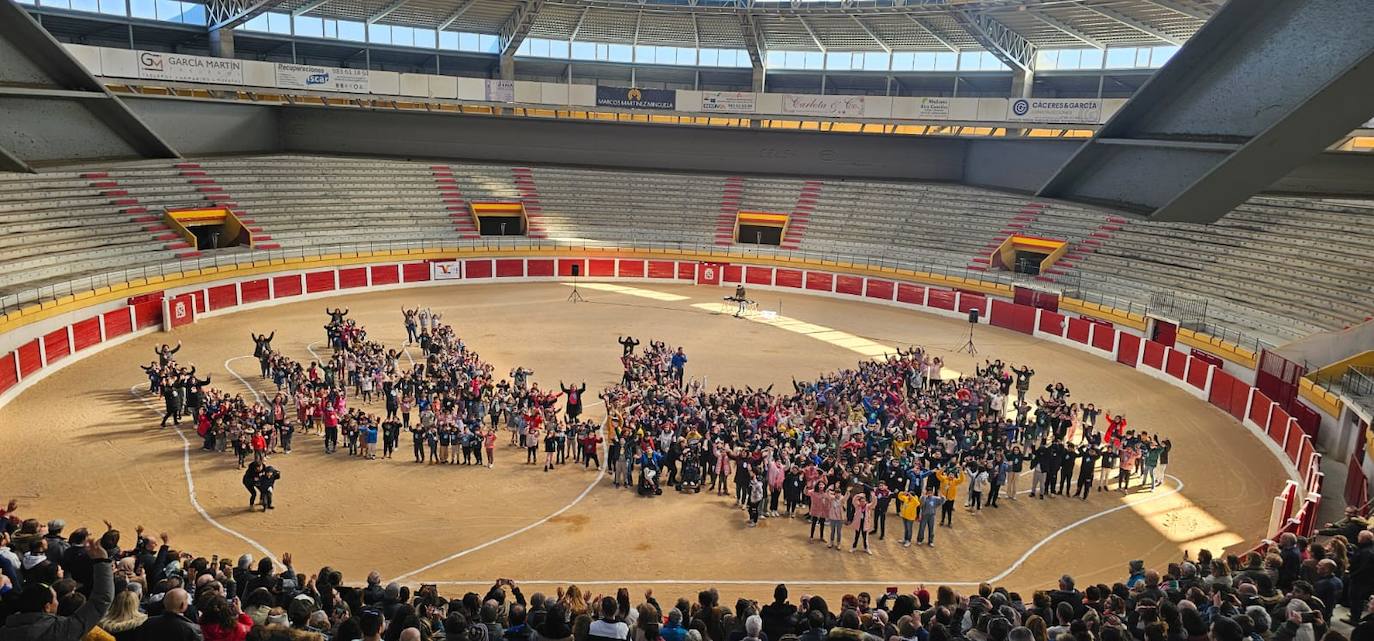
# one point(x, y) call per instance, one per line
point(85, 448)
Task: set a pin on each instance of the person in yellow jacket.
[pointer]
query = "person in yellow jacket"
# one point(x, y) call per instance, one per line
point(949, 488)
point(908, 504)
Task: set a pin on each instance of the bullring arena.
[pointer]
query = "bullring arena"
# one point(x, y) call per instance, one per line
point(686, 320)
point(572, 526)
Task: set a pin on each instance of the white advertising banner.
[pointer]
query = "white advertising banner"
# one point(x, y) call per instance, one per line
point(828, 106)
point(500, 90)
point(736, 102)
point(174, 66)
point(933, 109)
point(1054, 110)
point(322, 78)
point(446, 270)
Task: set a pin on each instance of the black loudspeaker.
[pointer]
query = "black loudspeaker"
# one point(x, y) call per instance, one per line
point(972, 314)
point(577, 270)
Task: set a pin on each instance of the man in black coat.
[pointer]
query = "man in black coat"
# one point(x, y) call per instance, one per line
point(152, 557)
point(172, 624)
point(250, 482)
point(1361, 572)
point(76, 561)
point(1067, 593)
point(778, 616)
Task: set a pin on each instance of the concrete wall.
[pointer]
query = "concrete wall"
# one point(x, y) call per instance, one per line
point(199, 127)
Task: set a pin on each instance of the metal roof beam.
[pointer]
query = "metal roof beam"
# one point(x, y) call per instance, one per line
point(227, 14)
point(1013, 49)
point(1122, 18)
point(1179, 7)
point(457, 13)
point(578, 27)
point(50, 83)
point(931, 32)
point(517, 26)
point(872, 35)
point(11, 162)
point(1069, 30)
point(386, 11)
point(308, 7)
point(1193, 142)
point(751, 39)
point(811, 33)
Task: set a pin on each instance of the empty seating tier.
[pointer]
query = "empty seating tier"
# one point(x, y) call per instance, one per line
point(1277, 268)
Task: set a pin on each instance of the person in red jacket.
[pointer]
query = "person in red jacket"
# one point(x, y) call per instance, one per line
point(221, 620)
point(1116, 426)
point(259, 446)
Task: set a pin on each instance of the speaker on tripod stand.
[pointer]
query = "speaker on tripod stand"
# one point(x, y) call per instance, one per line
point(576, 296)
point(968, 346)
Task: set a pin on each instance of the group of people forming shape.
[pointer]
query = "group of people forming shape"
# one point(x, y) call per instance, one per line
point(852, 446)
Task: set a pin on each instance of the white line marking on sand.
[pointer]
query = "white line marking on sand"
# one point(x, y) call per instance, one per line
point(1124, 506)
point(1016, 565)
point(600, 474)
point(191, 487)
point(256, 396)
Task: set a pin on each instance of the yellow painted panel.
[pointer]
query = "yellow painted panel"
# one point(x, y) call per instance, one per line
point(1323, 400)
point(1336, 369)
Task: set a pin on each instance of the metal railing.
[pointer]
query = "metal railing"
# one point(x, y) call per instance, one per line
point(1190, 313)
point(49, 292)
point(1088, 291)
point(177, 268)
point(1359, 382)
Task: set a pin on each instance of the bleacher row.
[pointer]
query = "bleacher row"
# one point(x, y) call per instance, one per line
point(1277, 267)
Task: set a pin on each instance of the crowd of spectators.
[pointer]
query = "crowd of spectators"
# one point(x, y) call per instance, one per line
point(97, 585)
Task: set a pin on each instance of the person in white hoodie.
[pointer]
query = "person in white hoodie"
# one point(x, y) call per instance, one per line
point(606, 627)
point(977, 488)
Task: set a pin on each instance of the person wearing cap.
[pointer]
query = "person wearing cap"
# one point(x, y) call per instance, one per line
point(57, 544)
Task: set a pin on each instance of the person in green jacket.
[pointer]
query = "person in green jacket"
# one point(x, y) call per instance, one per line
point(1149, 460)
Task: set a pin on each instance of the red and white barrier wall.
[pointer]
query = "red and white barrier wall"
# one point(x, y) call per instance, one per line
point(48, 346)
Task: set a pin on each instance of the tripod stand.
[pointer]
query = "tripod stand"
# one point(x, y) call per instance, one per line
point(968, 347)
point(575, 296)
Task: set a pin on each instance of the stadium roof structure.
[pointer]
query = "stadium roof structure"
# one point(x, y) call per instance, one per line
point(1010, 28)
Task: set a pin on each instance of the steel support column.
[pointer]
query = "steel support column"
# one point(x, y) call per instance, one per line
point(517, 26)
point(227, 14)
point(52, 108)
point(1262, 89)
